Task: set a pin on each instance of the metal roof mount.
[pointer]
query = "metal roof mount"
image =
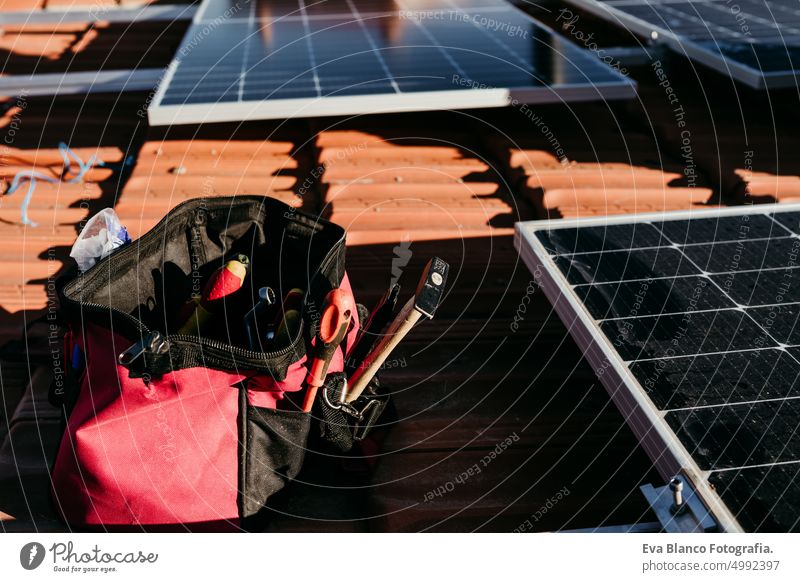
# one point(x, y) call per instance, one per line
point(676, 506)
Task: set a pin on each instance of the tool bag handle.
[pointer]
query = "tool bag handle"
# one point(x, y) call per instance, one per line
point(199, 232)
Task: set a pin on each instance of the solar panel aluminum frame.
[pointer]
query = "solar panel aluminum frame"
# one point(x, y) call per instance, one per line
point(648, 423)
point(375, 104)
point(748, 75)
point(159, 115)
point(111, 13)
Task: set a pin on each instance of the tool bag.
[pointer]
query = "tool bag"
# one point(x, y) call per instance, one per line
point(190, 430)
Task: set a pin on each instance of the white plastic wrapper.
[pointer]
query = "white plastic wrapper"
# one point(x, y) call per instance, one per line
point(101, 236)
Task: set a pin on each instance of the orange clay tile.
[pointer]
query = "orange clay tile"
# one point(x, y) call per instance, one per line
point(406, 187)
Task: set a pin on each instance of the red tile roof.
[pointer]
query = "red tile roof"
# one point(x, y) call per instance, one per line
point(28, 49)
point(446, 183)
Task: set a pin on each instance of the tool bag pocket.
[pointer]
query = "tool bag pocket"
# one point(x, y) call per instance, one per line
point(169, 428)
point(343, 425)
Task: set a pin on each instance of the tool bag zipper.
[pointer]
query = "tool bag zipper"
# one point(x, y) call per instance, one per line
point(157, 348)
point(158, 357)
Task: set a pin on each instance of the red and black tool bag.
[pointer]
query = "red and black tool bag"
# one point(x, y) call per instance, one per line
point(193, 431)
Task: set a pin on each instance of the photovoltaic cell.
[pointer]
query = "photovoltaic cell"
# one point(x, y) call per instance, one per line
point(740, 435)
point(663, 296)
point(256, 59)
point(744, 255)
point(768, 287)
point(781, 321)
point(755, 41)
point(686, 334)
point(707, 380)
point(601, 238)
point(702, 312)
point(768, 497)
point(624, 265)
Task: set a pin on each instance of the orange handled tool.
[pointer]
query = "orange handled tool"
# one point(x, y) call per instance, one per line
point(333, 325)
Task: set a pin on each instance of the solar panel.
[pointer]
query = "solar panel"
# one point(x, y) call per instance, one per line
point(260, 59)
point(690, 319)
point(754, 41)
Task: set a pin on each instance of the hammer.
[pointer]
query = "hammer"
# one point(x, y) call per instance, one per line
point(424, 303)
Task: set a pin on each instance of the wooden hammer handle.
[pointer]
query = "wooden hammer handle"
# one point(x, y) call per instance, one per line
point(399, 328)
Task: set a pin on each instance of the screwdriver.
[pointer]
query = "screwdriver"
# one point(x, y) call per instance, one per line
point(254, 321)
point(333, 325)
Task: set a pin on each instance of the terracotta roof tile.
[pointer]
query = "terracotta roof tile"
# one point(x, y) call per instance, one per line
point(58, 48)
point(406, 187)
point(102, 125)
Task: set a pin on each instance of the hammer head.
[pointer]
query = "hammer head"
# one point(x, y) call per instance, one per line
point(431, 287)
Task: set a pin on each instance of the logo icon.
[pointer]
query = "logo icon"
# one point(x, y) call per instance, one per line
point(31, 555)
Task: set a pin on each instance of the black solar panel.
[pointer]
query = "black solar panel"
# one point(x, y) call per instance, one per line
point(701, 317)
point(249, 59)
point(755, 41)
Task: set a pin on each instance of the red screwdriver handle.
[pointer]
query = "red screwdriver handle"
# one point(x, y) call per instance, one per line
point(334, 323)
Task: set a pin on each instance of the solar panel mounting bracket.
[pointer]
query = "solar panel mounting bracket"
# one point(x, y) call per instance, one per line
point(691, 517)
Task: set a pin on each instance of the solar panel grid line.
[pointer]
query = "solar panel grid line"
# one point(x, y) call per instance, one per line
point(311, 56)
point(731, 454)
point(723, 450)
point(721, 404)
point(724, 292)
point(684, 356)
point(670, 277)
point(367, 14)
point(786, 9)
point(483, 30)
point(251, 30)
point(778, 464)
point(704, 23)
point(751, 16)
point(667, 452)
point(172, 68)
point(439, 48)
point(404, 60)
point(719, 5)
point(751, 54)
point(772, 390)
point(499, 42)
point(736, 403)
point(373, 46)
